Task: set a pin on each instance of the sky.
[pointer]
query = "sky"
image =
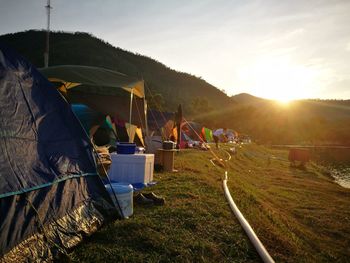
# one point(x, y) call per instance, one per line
point(273, 49)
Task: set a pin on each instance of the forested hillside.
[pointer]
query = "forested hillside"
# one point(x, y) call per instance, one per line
point(305, 121)
point(169, 87)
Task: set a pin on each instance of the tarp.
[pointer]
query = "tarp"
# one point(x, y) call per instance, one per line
point(93, 79)
point(103, 90)
point(50, 193)
point(111, 105)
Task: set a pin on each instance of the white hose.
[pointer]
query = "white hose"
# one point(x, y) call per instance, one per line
point(265, 256)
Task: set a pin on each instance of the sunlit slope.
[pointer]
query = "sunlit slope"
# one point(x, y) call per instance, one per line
point(299, 122)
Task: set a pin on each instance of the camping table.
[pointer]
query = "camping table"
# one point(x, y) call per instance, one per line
point(166, 158)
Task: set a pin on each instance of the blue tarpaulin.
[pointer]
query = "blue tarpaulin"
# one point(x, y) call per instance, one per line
point(49, 189)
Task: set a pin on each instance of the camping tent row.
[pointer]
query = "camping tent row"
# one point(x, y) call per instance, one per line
point(104, 91)
point(110, 93)
point(196, 132)
point(50, 193)
point(104, 129)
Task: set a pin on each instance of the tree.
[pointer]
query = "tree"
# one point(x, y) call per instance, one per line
point(200, 106)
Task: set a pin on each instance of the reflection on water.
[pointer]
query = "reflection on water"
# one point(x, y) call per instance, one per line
point(341, 176)
point(338, 162)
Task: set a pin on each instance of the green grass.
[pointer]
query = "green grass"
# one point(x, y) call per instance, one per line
point(300, 215)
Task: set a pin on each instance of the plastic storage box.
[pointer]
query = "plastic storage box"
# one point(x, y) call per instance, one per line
point(126, 148)
point(168, 145)
point(131, 168)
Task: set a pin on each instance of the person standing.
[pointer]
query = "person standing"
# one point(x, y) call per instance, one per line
point(219, 134)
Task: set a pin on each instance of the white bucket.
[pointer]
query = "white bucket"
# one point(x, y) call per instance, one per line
point(124, 193)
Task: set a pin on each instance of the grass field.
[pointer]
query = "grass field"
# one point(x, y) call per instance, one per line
point(300, 215)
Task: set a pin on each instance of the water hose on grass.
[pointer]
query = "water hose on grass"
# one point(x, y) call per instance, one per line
point(265, 256)
point(259, 247)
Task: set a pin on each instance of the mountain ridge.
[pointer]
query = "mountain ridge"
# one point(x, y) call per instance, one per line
point(81, 48)
point(302, 121)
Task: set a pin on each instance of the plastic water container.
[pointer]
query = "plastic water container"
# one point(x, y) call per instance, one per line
point(124, 193)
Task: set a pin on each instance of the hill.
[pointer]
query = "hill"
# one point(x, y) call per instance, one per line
point(169, 87)
point(305, 121)
point(245, 98)
point(300, 122)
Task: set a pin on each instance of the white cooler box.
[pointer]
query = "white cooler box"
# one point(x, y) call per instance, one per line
point(131, 168)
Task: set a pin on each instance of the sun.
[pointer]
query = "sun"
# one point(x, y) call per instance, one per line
point(284, 101)
point(279, 79)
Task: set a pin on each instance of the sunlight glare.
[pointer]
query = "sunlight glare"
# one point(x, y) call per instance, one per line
point(279, 79)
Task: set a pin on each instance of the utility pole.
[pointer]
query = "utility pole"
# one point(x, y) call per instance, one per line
point(46, 54)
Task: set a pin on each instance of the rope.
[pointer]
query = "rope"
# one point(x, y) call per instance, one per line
point(104, 170)
point(109, 182)
point(202, 140)
point(159, 108)
point(139, 114)
point(154, 118)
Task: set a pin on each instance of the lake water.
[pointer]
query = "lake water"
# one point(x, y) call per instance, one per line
point(341, 176)
point(337, 160)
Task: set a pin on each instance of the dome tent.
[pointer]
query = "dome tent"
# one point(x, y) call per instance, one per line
point(50, 193)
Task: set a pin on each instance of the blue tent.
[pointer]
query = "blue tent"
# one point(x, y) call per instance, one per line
point(50, 193)
point(87, 116)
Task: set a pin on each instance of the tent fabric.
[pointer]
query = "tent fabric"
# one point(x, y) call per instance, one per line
point(207, 134)
point(140, 136)
point(131, 130)
point(50, 193)
point(87, 116)
point(193, 130)
point(161, 123)
point(158, 119)
point(95, 124)
point(93, 79)
point(118, 105)
point(123, 135)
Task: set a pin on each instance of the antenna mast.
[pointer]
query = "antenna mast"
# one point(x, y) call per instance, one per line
point(46, 54)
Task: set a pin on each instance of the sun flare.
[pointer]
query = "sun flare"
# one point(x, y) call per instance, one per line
point(279, 79)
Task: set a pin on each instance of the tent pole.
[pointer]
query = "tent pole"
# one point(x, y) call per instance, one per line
point(130, 113)
point(145, 107)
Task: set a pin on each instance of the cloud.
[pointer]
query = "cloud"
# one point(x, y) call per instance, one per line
point(347, 47)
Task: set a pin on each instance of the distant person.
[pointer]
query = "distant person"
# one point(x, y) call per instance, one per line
point(219, 134)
